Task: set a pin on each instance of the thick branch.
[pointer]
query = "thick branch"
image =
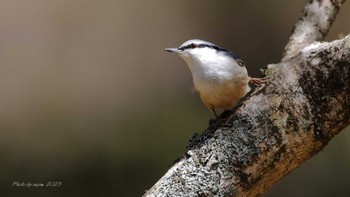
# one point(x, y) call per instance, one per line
point(279, 127)
point(318, 16)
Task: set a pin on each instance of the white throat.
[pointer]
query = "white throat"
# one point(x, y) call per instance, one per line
point(209, 65)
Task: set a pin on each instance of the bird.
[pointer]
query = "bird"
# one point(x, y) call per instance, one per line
point(219, 75)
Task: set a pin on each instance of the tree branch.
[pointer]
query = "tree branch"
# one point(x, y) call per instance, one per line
point(318, 16)
point(281, 125)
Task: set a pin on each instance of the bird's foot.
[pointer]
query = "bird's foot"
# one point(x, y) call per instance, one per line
point(220, 120)
point(259, 81)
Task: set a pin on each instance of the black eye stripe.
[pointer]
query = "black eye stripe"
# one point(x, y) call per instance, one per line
point(189, 46)
point(218, 49)
point(192, 46)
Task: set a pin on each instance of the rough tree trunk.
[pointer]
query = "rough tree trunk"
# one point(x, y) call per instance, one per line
point(282, 124)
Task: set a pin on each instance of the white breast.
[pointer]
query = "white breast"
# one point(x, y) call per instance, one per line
point(208, 66)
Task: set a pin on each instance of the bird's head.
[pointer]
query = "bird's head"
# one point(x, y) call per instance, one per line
point(200, 50)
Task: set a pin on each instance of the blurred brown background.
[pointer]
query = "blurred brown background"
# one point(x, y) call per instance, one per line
point(89, 97)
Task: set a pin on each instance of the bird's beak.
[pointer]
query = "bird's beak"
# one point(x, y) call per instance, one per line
point(173, 50)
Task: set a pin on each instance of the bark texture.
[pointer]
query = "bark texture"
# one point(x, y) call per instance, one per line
point(318, 16)
point(279, 126)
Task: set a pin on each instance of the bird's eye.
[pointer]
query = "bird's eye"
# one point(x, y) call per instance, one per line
point(189, 46)
point(192, 46)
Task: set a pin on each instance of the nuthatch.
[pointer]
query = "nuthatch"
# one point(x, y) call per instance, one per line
point(219, 75)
